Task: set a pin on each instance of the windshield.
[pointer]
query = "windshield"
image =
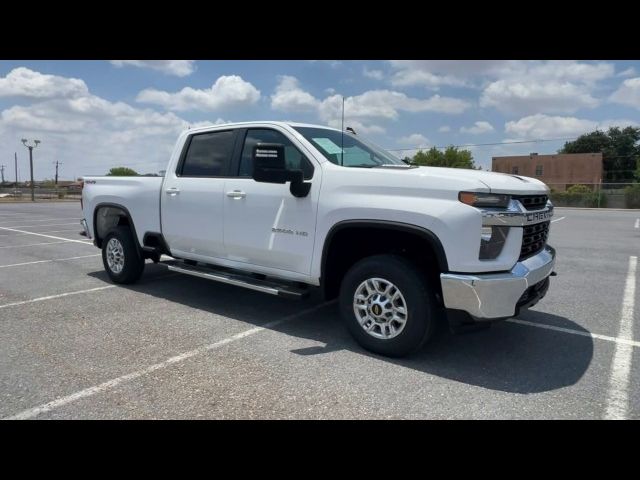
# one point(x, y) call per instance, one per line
point(356, 152)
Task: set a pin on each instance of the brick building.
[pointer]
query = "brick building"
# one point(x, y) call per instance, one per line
point(558, 171)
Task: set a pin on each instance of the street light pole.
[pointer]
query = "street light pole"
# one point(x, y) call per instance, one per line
point(31, 147)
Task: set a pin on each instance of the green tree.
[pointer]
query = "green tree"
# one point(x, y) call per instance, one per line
point(620, 152)
point(122, 172)
point(451, 157)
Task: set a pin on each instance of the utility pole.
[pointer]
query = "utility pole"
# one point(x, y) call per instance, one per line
point(15, 164)
point(31, 147)
point(57, 163)
point(2, 173)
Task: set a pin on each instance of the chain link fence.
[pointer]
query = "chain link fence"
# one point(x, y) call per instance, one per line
point(40, 193)
point(596, 195)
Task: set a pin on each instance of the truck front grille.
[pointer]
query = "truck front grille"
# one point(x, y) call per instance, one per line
point(532, 202)
point(534, 238)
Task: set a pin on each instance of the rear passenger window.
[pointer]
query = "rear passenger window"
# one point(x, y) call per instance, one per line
point(293, 158)
point(209, 154)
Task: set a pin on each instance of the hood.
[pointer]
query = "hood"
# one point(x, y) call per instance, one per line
point(496, 182)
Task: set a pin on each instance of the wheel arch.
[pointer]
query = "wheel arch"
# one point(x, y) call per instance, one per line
point(115, 215)
point(329, 275)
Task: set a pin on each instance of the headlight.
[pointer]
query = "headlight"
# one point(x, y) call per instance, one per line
point(476, 199)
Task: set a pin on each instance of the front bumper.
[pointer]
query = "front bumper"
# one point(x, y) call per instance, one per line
point(498, 295)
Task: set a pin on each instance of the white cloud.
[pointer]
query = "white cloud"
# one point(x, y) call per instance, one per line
point(629, 72)
point(514, 87)
point(628, 93)
point(374, 74)
point(179, 68)
point(545, 126)
point(444, 129)
point(546, 87)
point(435, 73)
point(361, 109)
point(227, 91)
point(87, 133)
point(358, 126)
point(414, 140)
point(387, 104)
point(23, 82)
point(478, 128)
point(289, 97)
point(527, 96)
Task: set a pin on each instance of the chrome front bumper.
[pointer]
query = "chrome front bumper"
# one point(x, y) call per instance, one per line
point(496, 295)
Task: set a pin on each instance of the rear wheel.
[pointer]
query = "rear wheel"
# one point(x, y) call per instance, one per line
point(388, 305)
point(120, 255)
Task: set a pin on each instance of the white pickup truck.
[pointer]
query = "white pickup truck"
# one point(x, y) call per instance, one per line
point(283, 208)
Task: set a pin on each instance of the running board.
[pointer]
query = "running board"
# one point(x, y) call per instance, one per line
point(239, 280)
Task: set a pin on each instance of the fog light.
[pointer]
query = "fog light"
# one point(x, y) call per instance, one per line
point(492, 241)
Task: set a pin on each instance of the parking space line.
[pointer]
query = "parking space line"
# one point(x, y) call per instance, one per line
point(33, 244)
point(47, 236)
point(558, 219)
point(637, 225)
point(618, 398)
point(50, 297)
point(48, 261)
point(597, 336)
point(48, 225)
point(50, 231)
point(42, 220)
point(110, 384)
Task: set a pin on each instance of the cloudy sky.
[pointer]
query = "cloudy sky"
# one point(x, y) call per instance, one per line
point(93, 115)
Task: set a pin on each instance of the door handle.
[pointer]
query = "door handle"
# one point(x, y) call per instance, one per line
point(236, 194)
point(172, 191)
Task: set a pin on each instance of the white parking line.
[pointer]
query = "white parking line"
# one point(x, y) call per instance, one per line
point(50, 297)
point(108, 385)
point(47, 261)
point(637, 225)
point(41, 220)
point(572, 331)
point(48, 225)
point(32, 244)
point(618, 398)
point(49, 231)
point(47, 236)
point(558, 219)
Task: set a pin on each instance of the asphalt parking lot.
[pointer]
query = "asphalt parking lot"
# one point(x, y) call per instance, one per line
point(73, 345)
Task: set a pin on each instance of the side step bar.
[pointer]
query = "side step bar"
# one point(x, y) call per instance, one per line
point(239, 280)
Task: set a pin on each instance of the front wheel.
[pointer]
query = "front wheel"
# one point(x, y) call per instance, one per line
point(121, 257)
point(388, 305)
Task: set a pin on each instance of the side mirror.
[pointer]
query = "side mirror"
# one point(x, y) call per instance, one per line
point(269, 167)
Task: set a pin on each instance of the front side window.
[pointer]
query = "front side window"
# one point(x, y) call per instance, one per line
point(347, 150)
point(293, 158)
point(209, 154)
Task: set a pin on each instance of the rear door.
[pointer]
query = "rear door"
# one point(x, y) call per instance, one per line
point(192, 196)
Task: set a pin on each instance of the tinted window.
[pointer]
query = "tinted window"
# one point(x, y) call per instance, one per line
point(209, 154)
point(293, 158)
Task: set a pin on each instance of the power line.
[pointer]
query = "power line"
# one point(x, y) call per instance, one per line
point(539, 140)
point(486, 144)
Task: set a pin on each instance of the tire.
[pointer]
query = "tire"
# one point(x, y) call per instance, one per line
point(123, 246)
point(415, 293)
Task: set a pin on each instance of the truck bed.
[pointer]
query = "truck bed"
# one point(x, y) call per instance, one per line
point(139, 195)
